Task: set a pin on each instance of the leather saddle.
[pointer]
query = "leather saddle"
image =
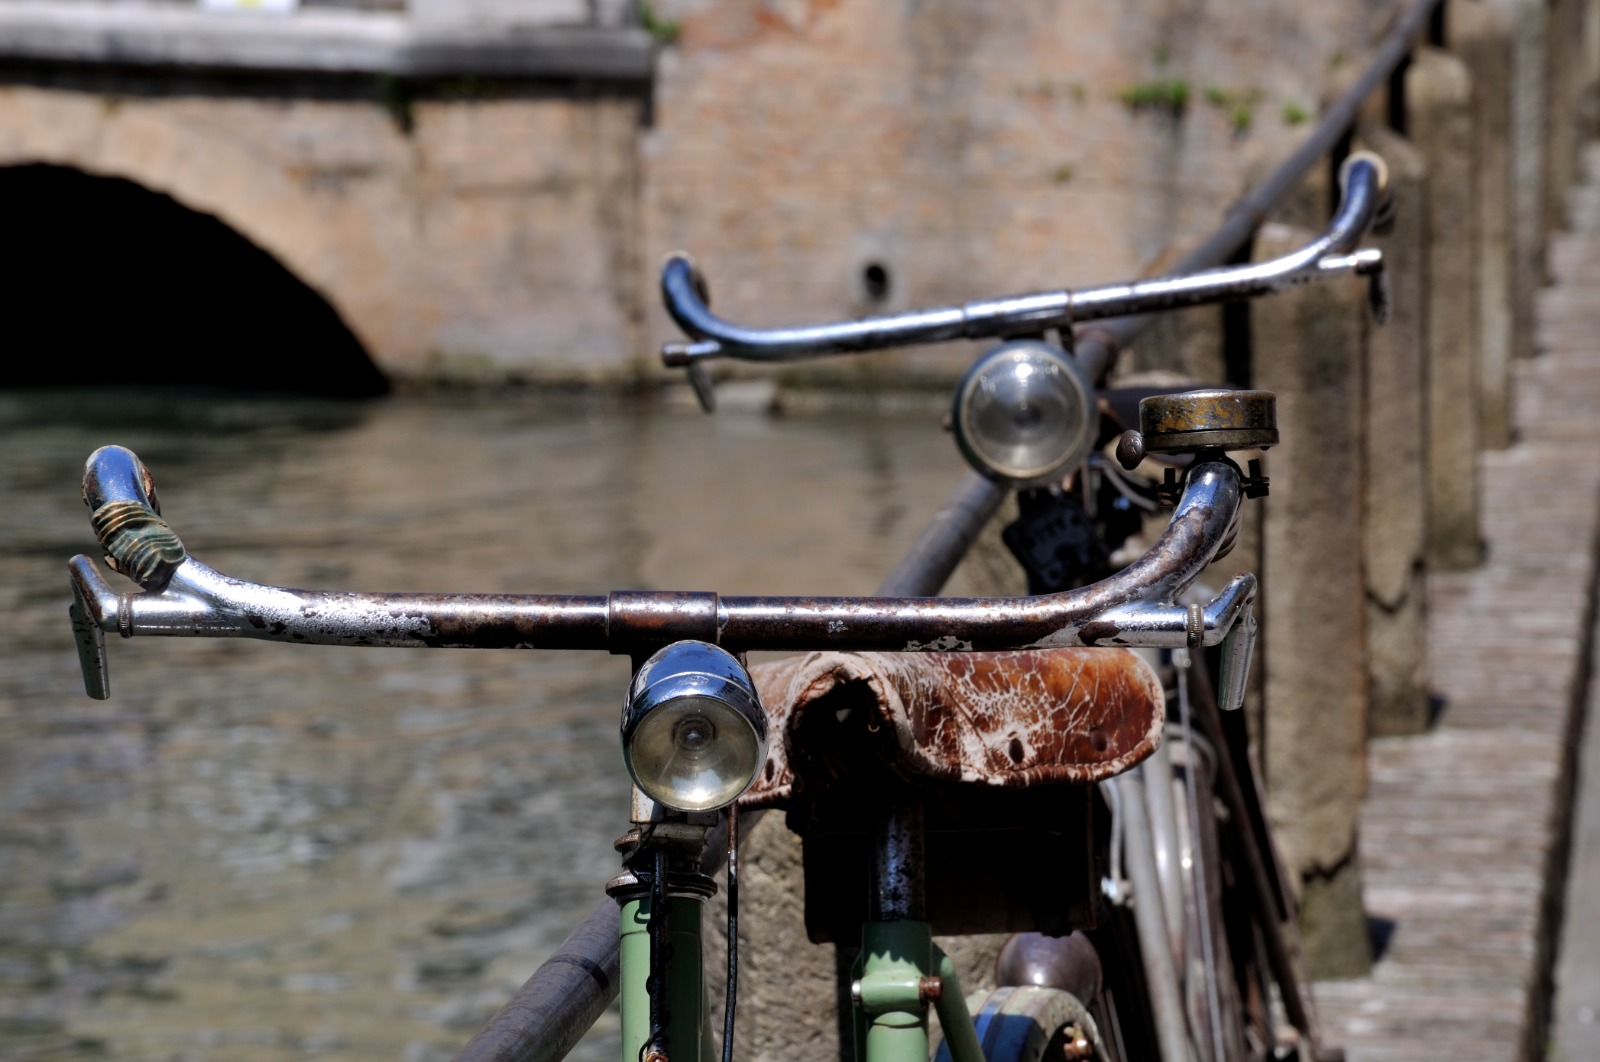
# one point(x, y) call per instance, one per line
point(998, 749)
point(1011, 719)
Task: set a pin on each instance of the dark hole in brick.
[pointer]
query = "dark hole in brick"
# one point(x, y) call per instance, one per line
point(875, 281)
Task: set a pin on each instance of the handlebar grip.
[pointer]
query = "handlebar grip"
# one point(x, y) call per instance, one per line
point(1383, 219)
point(1370, 158)
point(126, 516)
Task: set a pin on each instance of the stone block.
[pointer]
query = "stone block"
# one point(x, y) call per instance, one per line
point(1439, 99)
point(1483, 39)
point(1563, 84)
point(788, 1006)
point(504, 14)
point(1333, 924)
point(1526, 140)
point(1395, 497)
point(1308, 348)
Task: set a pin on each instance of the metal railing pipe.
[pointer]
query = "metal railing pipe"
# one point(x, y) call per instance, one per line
point(927, 565)
point(560, 1002)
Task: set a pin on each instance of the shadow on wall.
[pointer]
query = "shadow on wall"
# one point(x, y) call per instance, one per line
point(103, 281)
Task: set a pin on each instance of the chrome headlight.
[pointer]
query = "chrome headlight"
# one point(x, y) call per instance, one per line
point(1024, 413)
point(693, 732)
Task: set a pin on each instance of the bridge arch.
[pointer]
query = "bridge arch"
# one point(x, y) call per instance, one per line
point(109, 282)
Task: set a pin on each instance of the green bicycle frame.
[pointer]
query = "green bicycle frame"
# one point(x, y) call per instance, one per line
point(687, 1040)
point(899, 973)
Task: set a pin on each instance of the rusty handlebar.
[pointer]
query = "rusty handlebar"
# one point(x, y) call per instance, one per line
point(187, 598)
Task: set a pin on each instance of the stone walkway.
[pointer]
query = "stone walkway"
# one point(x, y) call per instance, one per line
point(1463, 833)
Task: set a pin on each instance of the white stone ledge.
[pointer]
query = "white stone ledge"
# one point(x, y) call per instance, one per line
point(311, 41)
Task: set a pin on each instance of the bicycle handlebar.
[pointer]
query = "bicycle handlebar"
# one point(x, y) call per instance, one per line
point(1137, 606)
point(1363, 183)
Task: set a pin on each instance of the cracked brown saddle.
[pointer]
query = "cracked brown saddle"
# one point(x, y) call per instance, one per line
point(999, 750)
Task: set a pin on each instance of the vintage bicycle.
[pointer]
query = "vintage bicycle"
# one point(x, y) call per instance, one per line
point(913, 722)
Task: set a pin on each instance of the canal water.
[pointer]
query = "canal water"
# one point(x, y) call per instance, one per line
point(260, 852)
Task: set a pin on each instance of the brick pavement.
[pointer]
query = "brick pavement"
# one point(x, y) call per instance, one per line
point(1463, 831)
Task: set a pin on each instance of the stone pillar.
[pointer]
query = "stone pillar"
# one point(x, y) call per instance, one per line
point(1589, 75)
point(1563, 34)
point(1395, 531)
point(787, 987)
point(1439, 116)
point(1482, 38)
point(1308, 349)
point(1527, 20)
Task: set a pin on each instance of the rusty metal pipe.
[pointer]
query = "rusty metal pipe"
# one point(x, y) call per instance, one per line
point(559, 1003)
point(928, 564)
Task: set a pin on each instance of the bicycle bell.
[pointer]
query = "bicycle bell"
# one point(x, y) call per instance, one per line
point(1024, 413)
point(693, 732)
point(1191, 421)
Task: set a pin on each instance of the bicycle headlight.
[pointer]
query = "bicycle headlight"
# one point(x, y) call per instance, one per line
point(1024, 413)
point(693, 732)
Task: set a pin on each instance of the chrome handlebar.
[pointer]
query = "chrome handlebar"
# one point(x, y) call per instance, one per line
point(1136, 607)
point(1363, 181)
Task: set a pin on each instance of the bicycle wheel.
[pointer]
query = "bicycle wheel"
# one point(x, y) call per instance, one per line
point(1031, 1024)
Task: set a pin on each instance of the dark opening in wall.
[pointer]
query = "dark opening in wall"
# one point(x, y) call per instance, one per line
point(103, 281)
point(875, 282)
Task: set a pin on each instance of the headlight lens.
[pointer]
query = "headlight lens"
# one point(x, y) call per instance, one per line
point(1024, 413)
point(693, 732)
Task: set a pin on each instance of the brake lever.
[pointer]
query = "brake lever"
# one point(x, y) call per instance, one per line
point(125, 511)
point(93, 600)
point(700, 380)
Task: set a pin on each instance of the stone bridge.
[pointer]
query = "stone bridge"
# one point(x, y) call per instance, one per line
point(481, 191)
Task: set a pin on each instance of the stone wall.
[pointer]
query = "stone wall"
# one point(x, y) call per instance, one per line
point(475, 241)
point(485, 229)
point(968, 149)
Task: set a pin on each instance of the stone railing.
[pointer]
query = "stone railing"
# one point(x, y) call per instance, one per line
point(1375, 483)
point(540, 39)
